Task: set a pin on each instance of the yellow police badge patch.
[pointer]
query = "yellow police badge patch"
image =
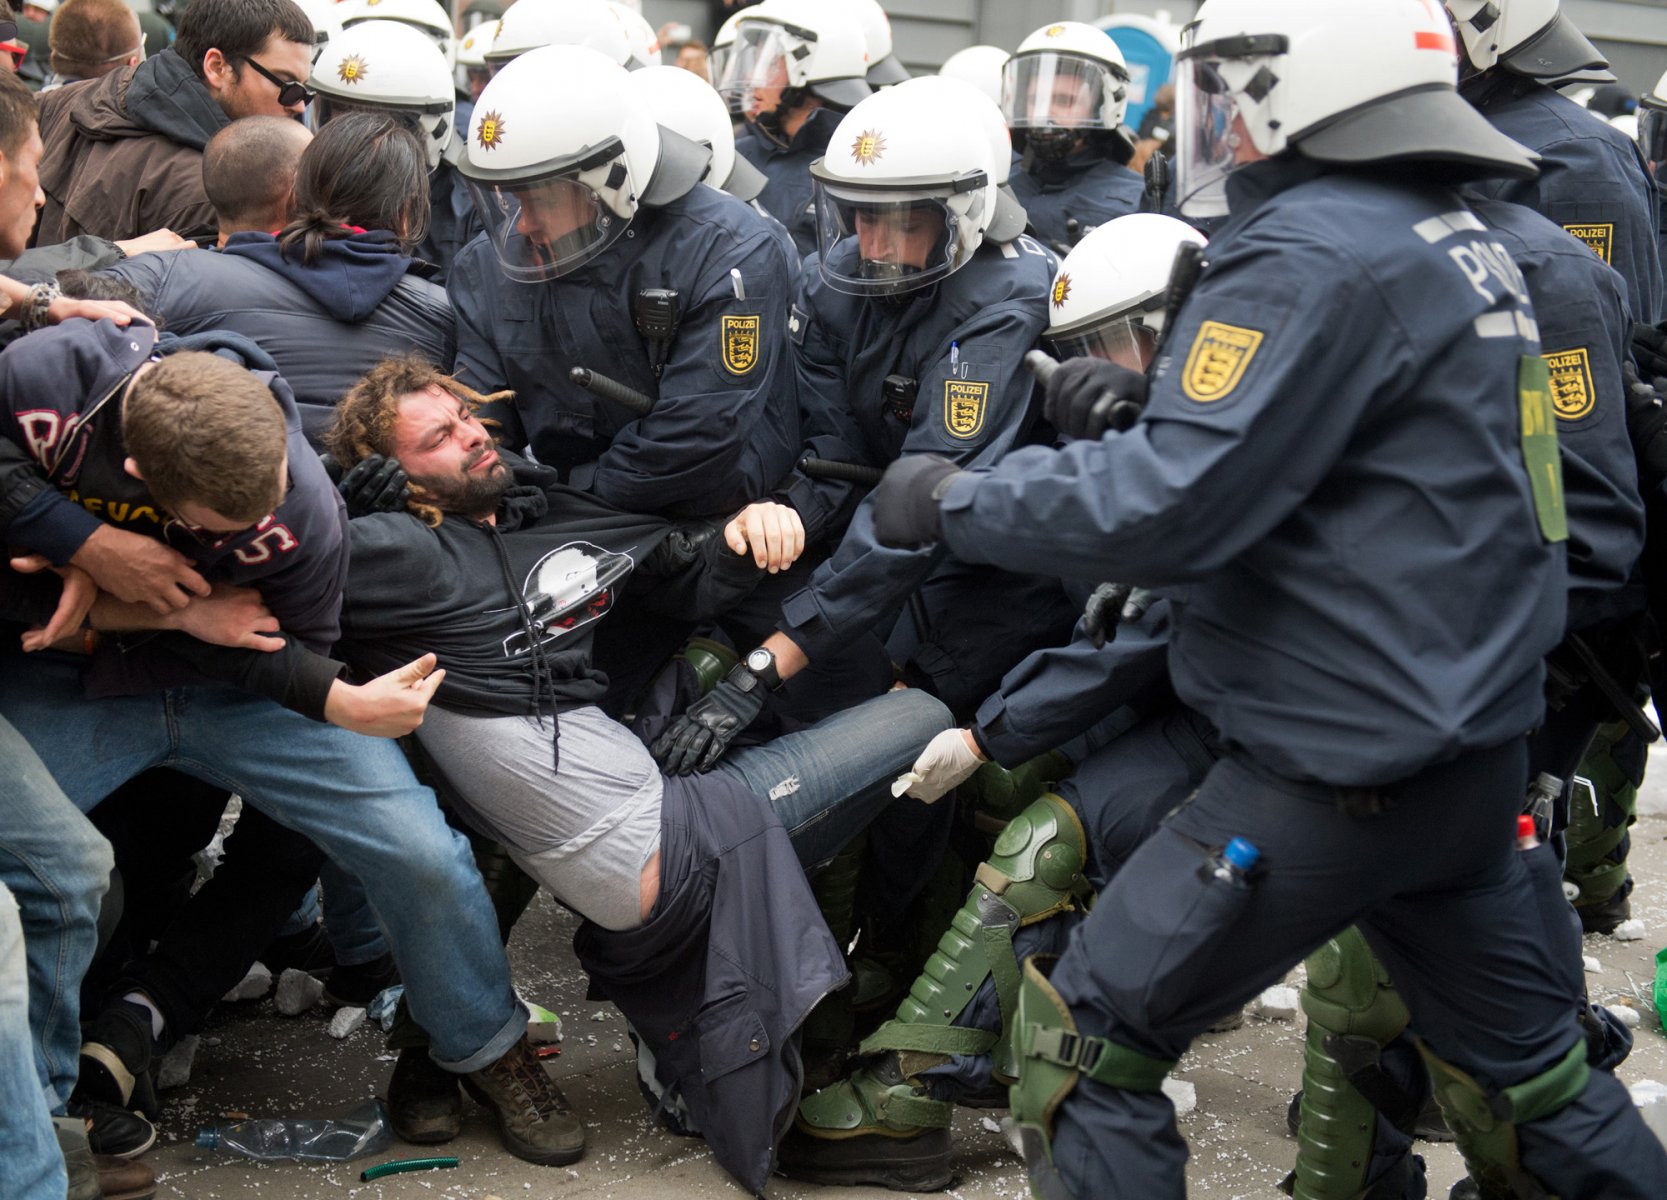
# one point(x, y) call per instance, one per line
point(1573, 394)
point(964, 405)
point(490, 132)
point(351, 69)
point(1061, 290)
point(1217, 361)
point(740, 343)
point(869, 147)
point(1599, 239)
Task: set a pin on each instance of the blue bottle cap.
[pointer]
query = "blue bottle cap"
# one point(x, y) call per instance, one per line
point(208, 1137)
point(1241, 854)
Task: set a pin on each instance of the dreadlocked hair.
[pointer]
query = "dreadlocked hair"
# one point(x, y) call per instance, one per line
point(366, 416)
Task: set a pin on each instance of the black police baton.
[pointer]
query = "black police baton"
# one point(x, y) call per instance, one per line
point(1109, 411)
point(633, 401)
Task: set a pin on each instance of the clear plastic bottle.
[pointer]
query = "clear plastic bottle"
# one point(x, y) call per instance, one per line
point(1234, 862)
point(363, 1131)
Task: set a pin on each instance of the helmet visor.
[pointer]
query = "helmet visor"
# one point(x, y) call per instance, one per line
point(546, 228)
point(1208, 134)
point(759, 69)
point(1652, 132)
point(1124, 340)
point(1060, 91)
point(884, 244)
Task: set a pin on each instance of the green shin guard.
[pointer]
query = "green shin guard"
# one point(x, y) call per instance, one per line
point(995, 795)
point(1485, 1125)
point(1052, 1058)
point(1601, 814)
point(1353, 1012)
point(1034, 873)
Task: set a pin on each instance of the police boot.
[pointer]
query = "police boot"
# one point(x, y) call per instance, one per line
point(880, 1126)
point(1601, 812)
point(1485, 1124)
point(1353, 1013)
point(829, 1031)
point(1053, 1057)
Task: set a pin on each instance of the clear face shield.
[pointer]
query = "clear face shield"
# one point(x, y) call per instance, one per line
point(1123, 339)
point(1211, 140)
point(1652, 132)
point(1059, 91)
point(758, 69)
point(544, 228)
point(890, 243)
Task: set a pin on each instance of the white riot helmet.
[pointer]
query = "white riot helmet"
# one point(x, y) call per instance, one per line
point(788, 48)
point(684, 102)
point(1109, 296)
point(958, 96)
point(1066, 81)
point(980, 66)
point(883, 67)
point(425, 15)
point(642, 43)
point(388, 67)
point(326, 21)
point(1364, 82)
point(530, 24)
point(558, 174)
point(1652, 123)
point(1525, 37)
point(903, 195)
point(471, 74)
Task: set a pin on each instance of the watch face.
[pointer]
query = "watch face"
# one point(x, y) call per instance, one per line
point(760, 660)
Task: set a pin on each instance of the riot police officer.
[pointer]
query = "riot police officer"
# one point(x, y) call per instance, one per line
point(600, 251)
point(1343, 458)
point(1064, 93)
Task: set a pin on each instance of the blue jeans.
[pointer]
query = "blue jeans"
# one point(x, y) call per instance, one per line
point(349, 920)
point(354, 796)
point(830, 782)
point(28, 1146)
point(57, 866)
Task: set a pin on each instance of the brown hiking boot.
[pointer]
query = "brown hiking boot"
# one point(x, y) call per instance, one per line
point(534, 1119)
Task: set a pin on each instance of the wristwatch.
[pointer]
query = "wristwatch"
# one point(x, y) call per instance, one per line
point(762, 663)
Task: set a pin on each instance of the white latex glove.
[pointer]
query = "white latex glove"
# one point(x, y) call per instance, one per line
point(949, 759)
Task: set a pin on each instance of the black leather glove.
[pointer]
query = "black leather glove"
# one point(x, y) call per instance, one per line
point(1103, 610)
point(375, 485)
point(1649, 347)
point(1087, 396)
point(698, 738)
point(906, 501)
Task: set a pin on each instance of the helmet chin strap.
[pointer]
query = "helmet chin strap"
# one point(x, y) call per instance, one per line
point(772, 122)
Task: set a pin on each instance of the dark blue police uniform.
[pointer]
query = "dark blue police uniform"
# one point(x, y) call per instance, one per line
point(724, 427)
point(787, 194)
point(1065, 200)
point(1593, 180)
point(1331, 481)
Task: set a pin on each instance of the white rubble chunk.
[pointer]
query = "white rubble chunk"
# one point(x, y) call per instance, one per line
point(297, 992)
point(346, 1022)
point(1593, 966)
point(175, 1069)
point(1278, 1004)
point(255, 985)
point(1630, 931)
point(1183, 1095)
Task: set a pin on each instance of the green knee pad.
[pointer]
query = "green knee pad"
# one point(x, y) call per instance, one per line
point(1353, 1012)
point(710, 661)
point(1603, 810)
point(1485, 1124)
point(995, 795)
point(1034, 872)
point(1053, 1056)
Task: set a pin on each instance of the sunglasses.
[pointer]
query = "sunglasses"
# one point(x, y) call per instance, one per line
point(290, 92)
point(10, 45)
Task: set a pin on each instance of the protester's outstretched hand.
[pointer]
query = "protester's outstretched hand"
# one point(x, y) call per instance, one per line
point(231, 616)
point(73, 604)
point(390, 705)
point(65, 307)
point(772, 533)
point(156, 241)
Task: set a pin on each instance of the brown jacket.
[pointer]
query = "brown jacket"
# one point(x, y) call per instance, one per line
point(124, 154)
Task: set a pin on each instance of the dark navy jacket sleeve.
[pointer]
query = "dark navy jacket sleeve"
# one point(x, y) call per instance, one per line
point(473, 292)
point(973, 405)
point(1061, 692)
point(1328, 471)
